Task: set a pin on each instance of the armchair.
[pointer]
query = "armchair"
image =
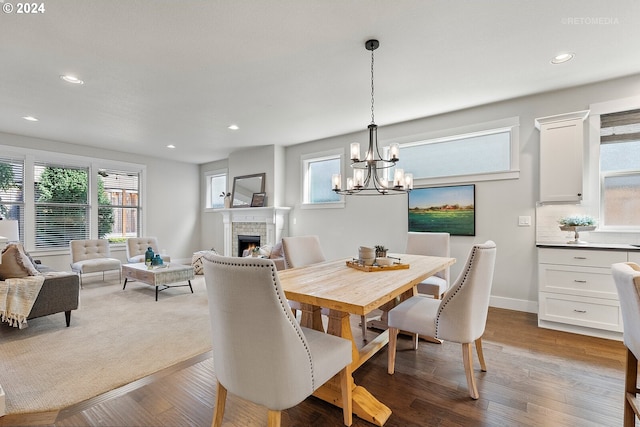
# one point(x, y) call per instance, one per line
point(260, 352)
point(627, 278)
point(459, 317)
point(137, 246)
point(92, 256)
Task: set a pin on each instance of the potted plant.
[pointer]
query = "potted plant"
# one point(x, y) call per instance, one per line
point(577, 223)
point(381, 251)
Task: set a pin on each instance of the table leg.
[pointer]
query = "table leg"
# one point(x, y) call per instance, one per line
point(365, 405)
point(311, 317)
point(125, 284)
point(157, 292)
point(190, 285)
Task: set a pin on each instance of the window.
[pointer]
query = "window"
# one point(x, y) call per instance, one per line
point(620, 169)
point(216, 186)
point(11, 191)
point(61, 204)
point(118, 205)
point(317, 179)
point(461, 155)
point(57, 197)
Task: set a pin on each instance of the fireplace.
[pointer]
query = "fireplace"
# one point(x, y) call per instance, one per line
point(269, 223)
point(246, 243)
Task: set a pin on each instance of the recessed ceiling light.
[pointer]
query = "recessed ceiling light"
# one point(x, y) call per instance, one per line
point(72, 79)
point(171, 146)
point(30, 118)
point(562, 57)
point(233, 127)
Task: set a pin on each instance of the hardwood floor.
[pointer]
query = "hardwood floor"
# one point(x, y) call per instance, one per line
point(535, 377)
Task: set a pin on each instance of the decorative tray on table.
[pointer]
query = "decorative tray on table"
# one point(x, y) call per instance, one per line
point(359, 266)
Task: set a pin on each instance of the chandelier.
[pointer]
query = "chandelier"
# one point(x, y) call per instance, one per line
point(371, 174)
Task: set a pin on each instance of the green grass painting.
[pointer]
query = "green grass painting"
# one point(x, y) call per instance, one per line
point(443, 209)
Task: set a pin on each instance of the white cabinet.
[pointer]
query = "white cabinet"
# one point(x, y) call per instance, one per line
point(561, 156)
point(576, 291)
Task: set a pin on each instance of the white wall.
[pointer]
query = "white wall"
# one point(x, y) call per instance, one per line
point(383, 220)
point(172, 197)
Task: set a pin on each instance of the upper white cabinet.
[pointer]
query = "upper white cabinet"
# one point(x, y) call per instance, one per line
point(561, 156)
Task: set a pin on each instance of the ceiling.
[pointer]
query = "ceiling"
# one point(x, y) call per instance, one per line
point(160, 72)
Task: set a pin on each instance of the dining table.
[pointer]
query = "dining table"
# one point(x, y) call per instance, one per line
point(344, 288)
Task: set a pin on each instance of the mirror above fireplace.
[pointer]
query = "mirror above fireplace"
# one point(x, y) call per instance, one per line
point(244, 187)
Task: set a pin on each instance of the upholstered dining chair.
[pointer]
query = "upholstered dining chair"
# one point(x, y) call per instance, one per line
point(626, 275)
point(260, 352)
point(300, 251)
point(431, 244)
point(459, 317)
point(137, 246)
point(92, 256)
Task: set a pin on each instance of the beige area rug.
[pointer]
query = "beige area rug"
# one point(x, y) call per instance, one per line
point(115, 337)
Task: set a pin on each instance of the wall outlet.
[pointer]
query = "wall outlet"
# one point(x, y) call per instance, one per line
point(524, 221)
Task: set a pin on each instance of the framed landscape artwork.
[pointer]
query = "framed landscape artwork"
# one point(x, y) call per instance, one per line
point(443, 209)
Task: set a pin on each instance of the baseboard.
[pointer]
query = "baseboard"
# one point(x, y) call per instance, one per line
point(514, 304)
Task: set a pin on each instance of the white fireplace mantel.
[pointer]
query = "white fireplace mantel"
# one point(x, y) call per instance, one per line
point(276, 220)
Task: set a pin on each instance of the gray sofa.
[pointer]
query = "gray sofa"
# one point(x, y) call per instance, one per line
point(59, 293)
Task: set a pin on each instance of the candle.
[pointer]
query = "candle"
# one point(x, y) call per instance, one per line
point(355, 151)
point(349, 183)
point(398, 179)
point(408, 179)
point(394, 151)
point(336, 181)
point(358, 177)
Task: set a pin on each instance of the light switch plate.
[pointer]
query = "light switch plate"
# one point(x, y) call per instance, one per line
point(524, 221)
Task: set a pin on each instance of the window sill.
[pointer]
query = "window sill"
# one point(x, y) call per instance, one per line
point(333, 205)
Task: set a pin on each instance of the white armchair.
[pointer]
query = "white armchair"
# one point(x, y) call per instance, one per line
point(627, 278)
point(459, 317)
point(92, 256)
point(260, 353)
point(137, 246)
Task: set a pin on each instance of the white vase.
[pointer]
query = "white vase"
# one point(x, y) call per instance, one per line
point(227, 202)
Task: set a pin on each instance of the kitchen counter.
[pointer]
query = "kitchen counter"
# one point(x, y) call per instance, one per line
point(592, 246)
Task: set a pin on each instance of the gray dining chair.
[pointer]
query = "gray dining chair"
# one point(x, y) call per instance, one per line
point(626, 275)
point(260, 352)
point(459, 317)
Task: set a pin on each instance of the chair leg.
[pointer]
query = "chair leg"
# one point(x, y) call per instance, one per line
point(414, 340)
point(274, 418)
point(218, 411)
point(467, 358)
point(631, 388)
point(363, 323)
point(346, 386)
point(483, 365)
point(393, 342)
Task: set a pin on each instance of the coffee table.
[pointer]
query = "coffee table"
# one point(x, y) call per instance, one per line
point(161, 276)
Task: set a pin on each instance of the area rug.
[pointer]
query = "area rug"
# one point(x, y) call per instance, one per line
point(116, 336)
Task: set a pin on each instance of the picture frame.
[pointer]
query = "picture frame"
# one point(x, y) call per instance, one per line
point(258, 200)
point(448, 209)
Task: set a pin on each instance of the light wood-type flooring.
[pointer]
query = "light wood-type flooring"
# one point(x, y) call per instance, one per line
point(535, 377)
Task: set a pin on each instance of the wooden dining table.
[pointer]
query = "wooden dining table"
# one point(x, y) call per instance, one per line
point(345, 290)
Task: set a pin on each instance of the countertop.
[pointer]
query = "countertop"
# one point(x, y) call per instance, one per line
point(590, 246)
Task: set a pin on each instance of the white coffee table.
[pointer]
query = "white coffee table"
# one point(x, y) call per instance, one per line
point(161, 277)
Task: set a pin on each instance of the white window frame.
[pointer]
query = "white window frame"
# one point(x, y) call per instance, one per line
point(511, 125)
point(592, 178)
point(32, 156)
point(208, 176)
point(305, 160)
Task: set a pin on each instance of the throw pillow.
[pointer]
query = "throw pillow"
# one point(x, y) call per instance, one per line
point(196, 260)
point(16, 263)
